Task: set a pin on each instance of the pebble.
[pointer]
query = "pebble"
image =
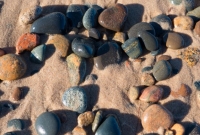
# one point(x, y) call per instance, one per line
point(142, 26)
point(38, 54)
point(109, 127)
point(85, 119)
point(108, 53)
point(162, 70)
point(75, 99)
point(197, 28)
point(27, 42)
point(113, 18)
point(12, 67)
point(149, 40)
point(97, 120)
point(195, 14)
point(17, 94)
point(173, 40)
point(79, 131)
point(9, 133)
point(47, 123)
point(94, 33)
point(195, 131)
point(30, 14)
point(183, 22)
point(197, 85)
point(178, 129)
point(2, 52)
point(189, 4)
point(132, 48)
point(164, 57)
point(76, 69)
point(61, 43)
point(133, 93)
point(119, 37)
point(53, 23)
point(147, 79)
point(98, 9)
point(16, 123)
point(75, 15)
point(156, 116)
point(83, 47)
point(90, 18)
point(147, 69)
point(176, 2)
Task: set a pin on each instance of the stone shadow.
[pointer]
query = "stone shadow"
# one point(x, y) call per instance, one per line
point(187, 39)
point(1, 5)
point(189, 126)
point(166, 91)
point(26, 123)
point(176, 64)
point(54, 8)
point(25, 91)
point(6, 106)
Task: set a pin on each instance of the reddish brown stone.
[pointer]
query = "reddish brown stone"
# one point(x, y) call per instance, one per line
point(27, 42)
point(17, 93)
point(197, 28)
point(2, 52)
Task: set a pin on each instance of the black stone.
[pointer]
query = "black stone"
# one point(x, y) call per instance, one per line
point(158, 29)
point(94, 33)
point(16, 123)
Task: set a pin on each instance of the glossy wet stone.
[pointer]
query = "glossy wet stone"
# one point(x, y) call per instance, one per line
point(147, 79)
point(75, 15)
point(183, 22)
point(53, 23)
point(133, 93)
point(109, 127)
point(178, 128)
point(119, 37)
point(16, 123)
point(47, 123)
point(195, 14)
point(85, 118)
point(90, 18)
point(164, 57)
point(149, 40)
point(176, 2)
point(197, 28)
point(156, 116)
point(38, 54)
point(12, 67)
point(132, 48)
point(83, 47)
point(75, 99)
point(16, 94)
point(162, 70)
point(2, 52)
point(142, 26)
point(113, 18)
point(189, 4)
point(108, 53)
point(173, 40)
point(97, 120)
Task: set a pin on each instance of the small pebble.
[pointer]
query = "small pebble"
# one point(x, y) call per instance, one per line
point(16, 123)
point(16, 94)
point(133, 93)
point(90, 18)
point(176, 2)
point(38, 54)
point(178, 129)
point(147, 69)
point(147, 79)
point(119, 37)
point(2, 52)
point(183, 22)
point(197, 28)
point(164, 57)
point(183, 90)
point(138, 60)
point(85, 119)
point(94, 33)
point(173, 40)
point(79, 131)
point(198, 98)
point(195, 14)
point(97, 120)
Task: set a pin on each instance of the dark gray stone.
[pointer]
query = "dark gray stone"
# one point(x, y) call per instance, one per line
point(38, 54)
point(16, 123)
point(10, 106)
point(90, 18)
point(98, 9)
point(94, 33)
point(197, 85)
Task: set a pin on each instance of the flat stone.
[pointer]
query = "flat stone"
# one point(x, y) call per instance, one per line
point(195, 14)
point(97, 120)
point(149, 40)
point(109, 127)
point(38, 54)
point(173, 40)
point(47, 123)
point(156, 116)
point(76, 69)
point(178, 129)
point(162, 70)
point(16, 123)
point(183, 22)
point(16, 94)
point(197, 28)
point(133, 93)
point(94, 33)
point(147, 79)
point(27, 42)
point(79, 131)
point(53, 23)
point(2, 52)
point(113, 18)
point(176, 2)
point(75, 99)
point(164, 57)
point(142, 26)
point(85, 119)
point(90, 18)
point(119, 37)
point(189, 4)
point(132, 48)
point(83, 47)
point(108, 53)
point(12, 67)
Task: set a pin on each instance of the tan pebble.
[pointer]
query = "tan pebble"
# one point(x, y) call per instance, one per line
point(178, 129)
point(147, 79)
point(16, 94)
point(85, 119)
point(2, 52)
point(133, 93)
point(97, 120)
point(197, 28)
point(169, 132)
point(164, 57)
point(183, 90)
point(119, 37)
point(78, 131)
point(184, 22)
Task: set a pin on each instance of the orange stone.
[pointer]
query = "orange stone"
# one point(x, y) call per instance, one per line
point(183, 22)
point(27, 42)
point(183, 91)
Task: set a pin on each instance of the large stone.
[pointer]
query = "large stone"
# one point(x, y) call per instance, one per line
point(173, 40)
point(90, 18)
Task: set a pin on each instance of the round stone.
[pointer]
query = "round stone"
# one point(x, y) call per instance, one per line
point(83, 47)
point(2, 52)
point(178, 129)
point(94, 33)
point(142, 26)
point(97, 120)
point(173, 40)
point(133, 93)
point(164, 57)
point(176, 2)
point(16, 123)
point(147, 79)
point(79, 131)
point(113, 18)
point(85, 119)
point(47, 123)
point(162, 70)
point(16, 94)
point(38, 54)
point(12, 67)
point(156, 116)
point(197, 28)
point(195, 14)
point(90, 18)
point(183, 22)
point(75, 99)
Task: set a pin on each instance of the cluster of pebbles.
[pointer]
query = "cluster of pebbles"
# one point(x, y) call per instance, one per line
point(142, 37)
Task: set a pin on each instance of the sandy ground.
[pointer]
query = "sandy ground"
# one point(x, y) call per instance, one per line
point(43, 90)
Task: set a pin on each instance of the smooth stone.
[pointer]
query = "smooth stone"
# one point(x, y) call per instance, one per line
point(147, 69)
point(76, 69)
point(85, 119)
point(47, 123)
point(83, 47)
point(16, 94)
point(9, 133)
point(75, 15)
point(108, 53)
point(119, 37)
point(173, 40)
point(156, 52)
point(61, 43)
point(38, 54)
point(12, 67)
point(79, 131)
point(152, 94)
point(197, 28)
point(178, 129)
point(53, 23)
point(195, 14)
point(16, 123)
point(27, 42)
point(183, 22)
point(2, 52)
point(94, 33)
point(189, 4)
point(132, 48)
point(75, 99)
point(133, 93)
point(164, 57)
point(149, 40)
point(113, 18)
point(156, 116)
point(109, 127)
point(162, 70)
point(147, 79)
point(195, 131)
point(142, 26)
point(97, 120)
point(90, 18)
point(176, 2)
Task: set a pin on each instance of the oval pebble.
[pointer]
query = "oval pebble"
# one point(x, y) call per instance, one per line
point(85, 118)
point(178, 129)
point(183, 22)
point(97, 120)
point(38, 54)
point(79, 131)
point(16, 123)
point(16, 94)
point(90, 18)
point(133, 93)
point(195, 14)
point(173, 40)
